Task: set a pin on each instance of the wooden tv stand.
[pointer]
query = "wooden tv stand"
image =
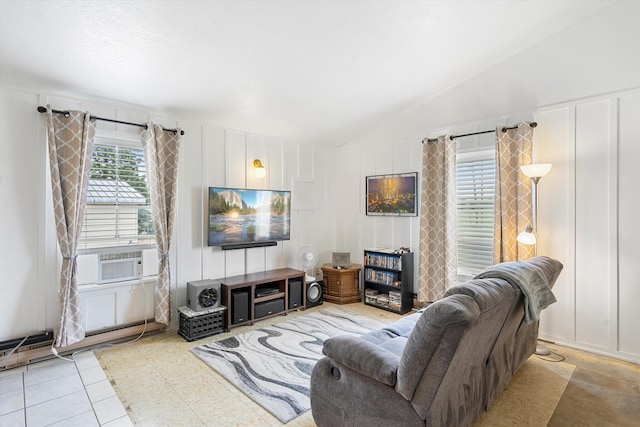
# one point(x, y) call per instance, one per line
point(245, 286)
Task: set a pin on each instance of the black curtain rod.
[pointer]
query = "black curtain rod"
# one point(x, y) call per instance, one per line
point(504, 129)
point(42, 109)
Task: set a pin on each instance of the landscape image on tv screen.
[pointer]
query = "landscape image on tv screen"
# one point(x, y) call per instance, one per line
point(238, 216)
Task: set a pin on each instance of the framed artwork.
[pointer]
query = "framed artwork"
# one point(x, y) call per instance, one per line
point(393, 195)
point(341, 259)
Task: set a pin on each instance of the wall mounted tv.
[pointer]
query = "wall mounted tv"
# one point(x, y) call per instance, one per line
point(243, 218)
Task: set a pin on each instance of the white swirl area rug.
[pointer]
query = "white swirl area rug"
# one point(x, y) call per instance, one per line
point(272, 365)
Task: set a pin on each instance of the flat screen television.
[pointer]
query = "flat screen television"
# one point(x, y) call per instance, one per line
point(240, 218)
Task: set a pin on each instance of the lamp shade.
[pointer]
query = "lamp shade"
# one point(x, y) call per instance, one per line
point(527, 237)
point(536, 170)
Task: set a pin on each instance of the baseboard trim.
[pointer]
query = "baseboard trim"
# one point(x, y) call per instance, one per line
point(23, 357)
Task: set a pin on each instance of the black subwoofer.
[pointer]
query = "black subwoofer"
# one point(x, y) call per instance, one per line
point(314, 293)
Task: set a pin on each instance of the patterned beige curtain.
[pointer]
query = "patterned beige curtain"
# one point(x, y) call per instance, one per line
point(161, 150)
point(70, 141)
point(438, 233)
point(513, 211)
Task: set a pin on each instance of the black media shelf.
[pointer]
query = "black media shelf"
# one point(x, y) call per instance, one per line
point(388, 280)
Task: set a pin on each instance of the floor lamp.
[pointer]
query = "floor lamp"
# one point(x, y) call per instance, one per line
point(529, 235)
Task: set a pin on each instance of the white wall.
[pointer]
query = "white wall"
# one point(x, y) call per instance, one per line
point(586, 204)
point(23, 261)
point(582, 87)
point(30, 258)
point(357, 231)
point(588, 207)
point(225, 158)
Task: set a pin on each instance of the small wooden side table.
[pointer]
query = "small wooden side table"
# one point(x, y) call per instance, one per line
point(341, 285)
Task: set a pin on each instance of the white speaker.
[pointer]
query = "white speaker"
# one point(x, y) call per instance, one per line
point(203, 295)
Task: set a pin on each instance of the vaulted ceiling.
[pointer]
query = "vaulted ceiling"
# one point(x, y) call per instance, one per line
point(307, 71)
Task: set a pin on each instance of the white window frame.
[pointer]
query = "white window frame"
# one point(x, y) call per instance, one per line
point(475, 237)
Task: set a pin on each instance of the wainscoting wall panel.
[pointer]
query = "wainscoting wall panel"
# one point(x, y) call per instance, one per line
point(106, 306)
point(369, 226)
point(210, 153)
point(588, 205)
point(628, 224)
point(554, 143)
point(348, 193)
point(592, 244)
point(305, 162)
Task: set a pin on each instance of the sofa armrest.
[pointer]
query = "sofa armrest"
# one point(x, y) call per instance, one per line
point(364, 357)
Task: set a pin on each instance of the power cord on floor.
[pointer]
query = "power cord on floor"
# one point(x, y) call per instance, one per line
point(55, 353)
point(556, 357)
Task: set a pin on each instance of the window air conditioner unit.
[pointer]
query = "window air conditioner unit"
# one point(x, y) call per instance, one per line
point(119, 266)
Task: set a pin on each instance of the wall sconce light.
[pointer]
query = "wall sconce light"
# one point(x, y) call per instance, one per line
point(259, 170)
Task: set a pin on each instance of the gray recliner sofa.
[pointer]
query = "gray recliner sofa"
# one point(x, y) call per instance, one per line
point(443, 366)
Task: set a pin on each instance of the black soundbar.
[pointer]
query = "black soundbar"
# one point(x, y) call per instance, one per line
point(248, 245)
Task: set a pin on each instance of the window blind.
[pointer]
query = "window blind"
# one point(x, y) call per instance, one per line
point(475, 191)
point(118, 211)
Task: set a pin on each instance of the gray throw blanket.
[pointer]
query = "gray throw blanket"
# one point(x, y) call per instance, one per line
point(532, 282)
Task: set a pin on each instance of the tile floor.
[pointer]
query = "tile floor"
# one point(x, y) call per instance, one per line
point(58, 392)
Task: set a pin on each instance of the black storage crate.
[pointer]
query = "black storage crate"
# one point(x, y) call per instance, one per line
point(196, 325)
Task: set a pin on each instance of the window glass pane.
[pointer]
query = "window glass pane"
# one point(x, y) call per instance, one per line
point(118, 211)
point(475, 190)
